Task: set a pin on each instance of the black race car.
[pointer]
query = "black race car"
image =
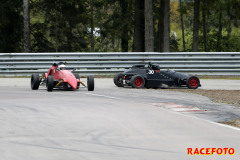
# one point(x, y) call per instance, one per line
point(140, 76)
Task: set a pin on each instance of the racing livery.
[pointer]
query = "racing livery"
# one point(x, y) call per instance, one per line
point(140, 76)
point(59, 77)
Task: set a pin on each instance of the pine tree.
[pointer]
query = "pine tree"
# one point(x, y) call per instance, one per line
point(26, 29)
point(139, 27)
point(149, 37)
point(196, 25)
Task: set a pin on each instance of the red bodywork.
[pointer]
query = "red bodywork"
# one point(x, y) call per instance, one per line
point(63, 76)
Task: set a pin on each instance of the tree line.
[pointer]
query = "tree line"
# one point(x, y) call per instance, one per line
point(119, 26)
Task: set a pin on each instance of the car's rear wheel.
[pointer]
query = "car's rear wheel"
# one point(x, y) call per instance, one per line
point(77, 77)
point(50, 83)
point(137, 81)
point(90, 83)
point(117, 80)
point(193, 82)
point(35, 81)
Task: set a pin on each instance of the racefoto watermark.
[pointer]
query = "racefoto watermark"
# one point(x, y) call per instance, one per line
point(210, 151)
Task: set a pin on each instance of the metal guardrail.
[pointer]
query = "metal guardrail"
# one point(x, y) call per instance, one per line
point(200, 63)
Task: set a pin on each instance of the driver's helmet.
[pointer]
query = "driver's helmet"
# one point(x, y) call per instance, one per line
point(155, 67)
point(62, 67)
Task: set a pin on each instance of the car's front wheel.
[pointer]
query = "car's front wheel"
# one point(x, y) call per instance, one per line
point(193, 82)
point(137, 81)
point(90, 83)
point(50, 83)
point(35, 81)
point(117, 80)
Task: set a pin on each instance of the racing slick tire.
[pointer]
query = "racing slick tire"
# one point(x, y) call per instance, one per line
point(77, 77)
point(137, 81)
point(50, 83)
point(90, 83)
point(116, 80)
point(35, 81)
point(193, 82)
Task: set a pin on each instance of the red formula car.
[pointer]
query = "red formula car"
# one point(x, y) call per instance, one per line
point(59, 77)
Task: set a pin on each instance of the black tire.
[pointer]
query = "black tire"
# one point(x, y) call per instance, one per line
point(50, 83)
point(35, 81)
point(117, 81)
point(137, 81)
point(90, 83)
point(77, 77)
point(193, 82)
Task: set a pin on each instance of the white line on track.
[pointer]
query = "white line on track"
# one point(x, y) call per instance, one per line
point(99, 95)
point(67, 94)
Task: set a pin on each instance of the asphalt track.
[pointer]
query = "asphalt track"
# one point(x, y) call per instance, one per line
point(112, 123)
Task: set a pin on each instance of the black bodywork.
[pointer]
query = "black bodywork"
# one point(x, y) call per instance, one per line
point(151, 76)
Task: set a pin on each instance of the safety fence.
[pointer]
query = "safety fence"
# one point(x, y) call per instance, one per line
point(200, 63)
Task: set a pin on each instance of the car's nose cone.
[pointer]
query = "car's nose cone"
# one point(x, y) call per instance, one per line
point(70, 79)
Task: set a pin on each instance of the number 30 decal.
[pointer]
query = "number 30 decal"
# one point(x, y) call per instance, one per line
point(151, 72)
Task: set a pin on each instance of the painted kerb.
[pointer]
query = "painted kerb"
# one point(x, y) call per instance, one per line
point(200, 63)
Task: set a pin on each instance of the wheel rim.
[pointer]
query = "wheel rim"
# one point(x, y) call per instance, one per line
point(138, 82)
point(193, 82)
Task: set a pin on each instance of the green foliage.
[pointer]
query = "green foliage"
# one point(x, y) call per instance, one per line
point(63, 25)
point(11, 23)
point(114, 22)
